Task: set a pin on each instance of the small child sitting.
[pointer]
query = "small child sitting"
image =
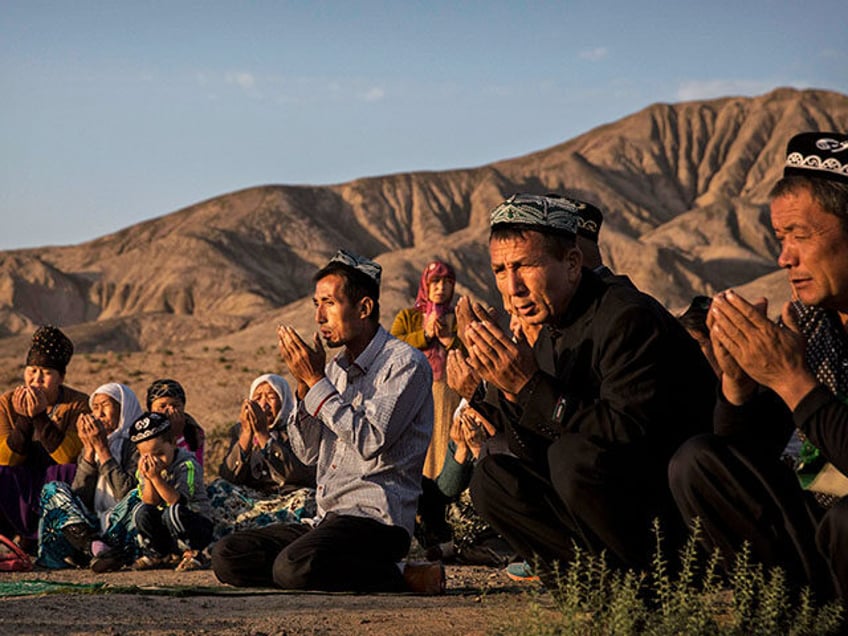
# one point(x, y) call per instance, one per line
point(174, 514)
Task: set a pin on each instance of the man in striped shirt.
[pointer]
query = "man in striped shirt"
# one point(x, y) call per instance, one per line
point(364, 420)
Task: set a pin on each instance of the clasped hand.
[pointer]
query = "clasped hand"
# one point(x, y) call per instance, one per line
point(29, 400)
point(747, 343)
point(492, 353)
point(305, 363)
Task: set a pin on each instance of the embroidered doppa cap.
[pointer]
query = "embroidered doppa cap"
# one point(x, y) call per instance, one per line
point(148, 426)
point(361, 264)
point(821, 155)
point(165, 388)
point(559, 214)
point(590, 218)
point(50, 348)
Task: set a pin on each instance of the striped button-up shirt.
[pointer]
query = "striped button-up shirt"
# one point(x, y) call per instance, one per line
point(366, 426)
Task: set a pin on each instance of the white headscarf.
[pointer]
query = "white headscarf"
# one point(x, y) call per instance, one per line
point(130, 412)
point(281, 388)
point(104, 498)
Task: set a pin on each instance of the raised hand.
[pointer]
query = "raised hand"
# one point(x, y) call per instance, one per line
point(29, 400)
point(766, 352)
point(499, 360)
point(461, 376)
point(476, 429)
point(305, 363)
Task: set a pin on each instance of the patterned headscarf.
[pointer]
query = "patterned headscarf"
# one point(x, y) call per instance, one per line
point(50, 348)
point(130, 412)
point(435, 352)
point(165, 388)
point(281, 388)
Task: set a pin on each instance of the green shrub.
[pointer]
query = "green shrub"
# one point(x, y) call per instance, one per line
point(591, 598)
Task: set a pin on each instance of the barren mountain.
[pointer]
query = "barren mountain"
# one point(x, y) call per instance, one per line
point(683, 186)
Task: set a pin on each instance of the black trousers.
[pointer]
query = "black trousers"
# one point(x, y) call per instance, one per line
point(163, 531)
point(342, 553)
point(596, 497)
point(741, 495)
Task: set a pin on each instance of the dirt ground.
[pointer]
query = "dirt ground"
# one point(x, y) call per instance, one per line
point(478, 600)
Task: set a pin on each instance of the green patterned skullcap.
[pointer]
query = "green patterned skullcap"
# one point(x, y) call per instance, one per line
point(365, 266)
point(535, 211)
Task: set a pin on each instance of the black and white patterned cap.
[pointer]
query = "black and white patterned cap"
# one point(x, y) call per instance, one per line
point(543, 212)
point(821, 155)
point(50, 348)
point(148, 426)
point(365, 266)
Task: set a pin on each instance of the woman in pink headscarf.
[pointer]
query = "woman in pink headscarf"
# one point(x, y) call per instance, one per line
point(431, 327)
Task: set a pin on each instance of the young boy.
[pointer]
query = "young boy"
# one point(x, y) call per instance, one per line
point(174, 514)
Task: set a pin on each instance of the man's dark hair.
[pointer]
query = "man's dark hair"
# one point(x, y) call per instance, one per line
point(832, 196)
point(355, 285)
point(556, 243)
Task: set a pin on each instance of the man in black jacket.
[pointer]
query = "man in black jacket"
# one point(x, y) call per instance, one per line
point(593, 411)
point(776, 378)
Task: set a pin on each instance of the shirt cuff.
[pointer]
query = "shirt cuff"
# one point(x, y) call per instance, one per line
point(320, 392)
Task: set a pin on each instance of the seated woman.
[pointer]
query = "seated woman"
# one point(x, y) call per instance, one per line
point(263, 481)
point(168, 397)
point(38, 437)
point(73, 518)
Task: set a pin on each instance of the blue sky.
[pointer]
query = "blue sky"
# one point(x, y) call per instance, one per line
point(116, 112)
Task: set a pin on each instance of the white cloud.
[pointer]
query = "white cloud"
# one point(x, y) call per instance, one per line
point(241, 78)
point(594, 55)
point(708, 89)
point(374, 94)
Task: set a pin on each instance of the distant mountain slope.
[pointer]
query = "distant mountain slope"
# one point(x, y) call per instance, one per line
point(684, 187)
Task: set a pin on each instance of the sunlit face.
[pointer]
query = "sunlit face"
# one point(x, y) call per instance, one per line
point(166, 405)
point(440, 290)
point(814, 250)
point(45, 378)
point(267, 398)
point(534, 286)
point(339, 321)
point(159, 448)
point(106, 410)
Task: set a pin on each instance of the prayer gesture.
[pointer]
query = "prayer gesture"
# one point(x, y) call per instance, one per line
point(254, 422)
point(461, 377)
point(499, 360)
point(305, 363)
point(29, 400)
point(476, 429)
point(468, 311)
point(150, 468)
point(766, 352)
point(93, 437)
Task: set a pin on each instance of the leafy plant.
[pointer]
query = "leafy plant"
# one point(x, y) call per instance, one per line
point(590, 598)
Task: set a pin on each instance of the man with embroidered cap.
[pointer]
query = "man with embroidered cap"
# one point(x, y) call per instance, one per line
point(364, 420)
point(38, 435)
point(593, 411)
point(779, 378)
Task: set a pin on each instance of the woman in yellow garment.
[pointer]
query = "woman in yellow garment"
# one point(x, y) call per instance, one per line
point(38, 435)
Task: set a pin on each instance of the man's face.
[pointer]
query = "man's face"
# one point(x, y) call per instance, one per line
point(534, 286)
point(339, 320)
point(814, 250)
